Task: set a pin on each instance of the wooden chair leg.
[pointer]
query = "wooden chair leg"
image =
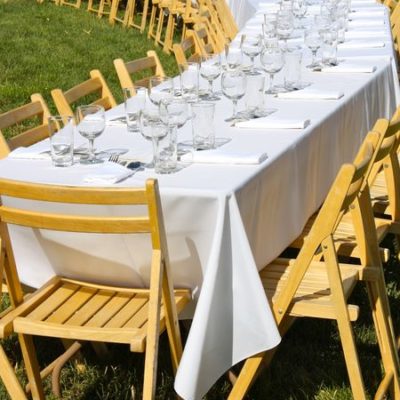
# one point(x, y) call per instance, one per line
point(383, 327)
point(9, 379)
point(31, 366)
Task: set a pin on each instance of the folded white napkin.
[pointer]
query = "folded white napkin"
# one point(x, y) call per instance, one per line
point(365, 23)
point(350, 68)
point(224, 156)
point(274, 123)
point(361, 44)
point(108, 173)
point(312, 94)
point(365, 34)
point(364, 12)
point(30, 153)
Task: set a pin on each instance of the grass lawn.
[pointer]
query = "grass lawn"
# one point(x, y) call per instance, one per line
point(43, 47)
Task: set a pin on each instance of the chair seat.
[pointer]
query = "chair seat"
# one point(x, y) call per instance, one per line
point(344, 236)
point(91, 312)
point(312, 298)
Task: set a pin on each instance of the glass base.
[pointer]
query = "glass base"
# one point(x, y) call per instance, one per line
point(89, 161)
point(210, 97)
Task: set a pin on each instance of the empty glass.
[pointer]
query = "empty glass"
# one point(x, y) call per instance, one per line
point(189, 75)
point(164, 147)
point(254, 98)
point(210, 69)
point(233, 84)
point(299, 10)
point(284, 25)
point(160, 88)
point(272, 60)
point(251, 47)
point(292, 71)
point(90, 124)
point(269, 25)
point(329, 47)
point(134, 101)
point(149, 121)
point(61, 132)
point(203, 125)
point(233, 56)
point(313, 40)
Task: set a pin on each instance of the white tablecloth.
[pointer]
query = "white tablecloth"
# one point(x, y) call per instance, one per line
point(224, 222)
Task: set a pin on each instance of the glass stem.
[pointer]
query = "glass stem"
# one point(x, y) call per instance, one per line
point(234, 102)
point(252, 64)
point(91, 149)
point(271, 82)
point(314, 56)
point(210, 88)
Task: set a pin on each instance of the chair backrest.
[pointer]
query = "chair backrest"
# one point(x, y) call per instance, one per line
point(34, 113)
point(188, 50)
point(96, 85)
point(117, 15)
point(204, 39)
point(148, 221)
point(138, 68)
point(341, 196)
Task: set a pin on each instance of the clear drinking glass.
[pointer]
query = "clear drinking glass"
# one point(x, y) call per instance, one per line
point(134, 102)
point(272, 60)
point(313, 40)
point(233, 85)
point(210, 69)
point(189, 77)
point(61, 133)
point(90, 124)
point(233, 56)
point(251, 47)
point(284, 25)
point(160, 88)
point(299, 11)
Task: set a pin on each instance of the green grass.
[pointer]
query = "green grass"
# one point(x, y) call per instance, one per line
point(43, 47)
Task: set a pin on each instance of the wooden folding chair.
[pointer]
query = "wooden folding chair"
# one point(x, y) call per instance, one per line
point(95, 86)
point(188, 50)
point(102, 8)
point(139, 67)
point(70, 3)
point(204, 39)
point(137, 17)
point(28, 125)
point(303, 287)
point(117, 15)
point(86, 311)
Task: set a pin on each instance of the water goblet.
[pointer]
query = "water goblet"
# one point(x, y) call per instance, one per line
point(272, 60)
point(160, 88)
point(251, 46)
point(284, 25)
point(233, 85)
point(313, 40)
point(189, 78)
point(210, 69)
point(299, 11)
point(90, 124)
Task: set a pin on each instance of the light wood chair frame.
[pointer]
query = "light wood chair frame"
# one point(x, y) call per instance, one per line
point(28, 316)
point(125, 70)
point(36, 108)
point(64, 99)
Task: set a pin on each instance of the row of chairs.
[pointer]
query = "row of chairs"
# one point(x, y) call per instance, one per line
point(359, 211)
point(161, 18)
point(129, 73)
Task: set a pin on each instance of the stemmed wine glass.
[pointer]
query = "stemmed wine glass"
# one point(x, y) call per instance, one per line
point(233, 83)
point(313, 40)
point(272, 60)
point(284, 25)
point(299, 10)
point(251, 46)
point(210, 69)
point(160, 88)
point(90, 124)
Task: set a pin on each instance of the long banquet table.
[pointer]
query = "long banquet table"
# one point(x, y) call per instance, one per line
point(223, 222)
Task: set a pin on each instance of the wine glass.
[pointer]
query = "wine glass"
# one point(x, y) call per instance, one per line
point(299, 10)
point(90, 124)
point(313, 40)
point(233, 83)
point(284, 25)
point(272, 60)
point(251, 46)
point(160, 88)
point(210, 69)
point(174, 112)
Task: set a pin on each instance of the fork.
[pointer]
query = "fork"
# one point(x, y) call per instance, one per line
point(114, 158)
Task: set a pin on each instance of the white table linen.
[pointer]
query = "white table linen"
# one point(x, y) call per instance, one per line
point(224, 222)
